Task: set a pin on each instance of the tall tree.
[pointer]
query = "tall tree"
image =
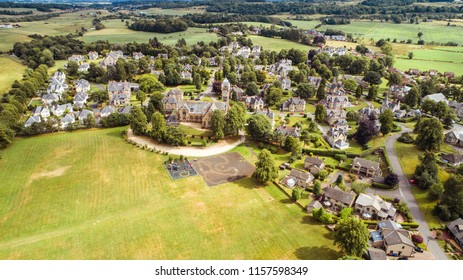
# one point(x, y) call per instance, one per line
point(366, 131)
point(321, 94)
point(235, 119)
point(266, 169)
point(252, 89)
point(159, 126)
point(218, 124)
point(259, 127)
point(141, 96)
point(150, 84)
point(451, 205)
point(413, 97)
point(372, 92)
point(426, 172)
point(138, 121)
point(386, 119)
point(351, 236)
point(320, 113)
point(305, 90)
point(430, 134)
point(274, 96)
point(197, 81)
point(359, 91)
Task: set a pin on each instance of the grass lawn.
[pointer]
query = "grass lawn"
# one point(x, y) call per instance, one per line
point(90, 195)
point(191, 131)
point(425, 65)
point(408, 158)
point(11, 70)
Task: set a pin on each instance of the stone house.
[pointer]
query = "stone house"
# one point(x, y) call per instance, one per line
point(337, 138)
point(92, 55)
point(454, 138)
point(119, 93)
point(297, 178)
point(313, 165)
point(254, 103)
point(374, 207)
point(367, 167)
point(337, 199)
point(455, 228)
point(293, 104)
point(393, 239)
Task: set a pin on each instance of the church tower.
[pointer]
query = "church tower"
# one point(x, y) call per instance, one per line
point(226, 88)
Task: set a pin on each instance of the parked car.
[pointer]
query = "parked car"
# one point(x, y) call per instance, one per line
point(403, 259)
point(412, 181)
point(418, 249)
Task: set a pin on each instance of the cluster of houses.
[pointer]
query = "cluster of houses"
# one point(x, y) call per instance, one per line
point(242, 51)
point(335, 103)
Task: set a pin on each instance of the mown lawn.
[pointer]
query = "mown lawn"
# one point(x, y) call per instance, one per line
point(11, 70)
point(91, 195)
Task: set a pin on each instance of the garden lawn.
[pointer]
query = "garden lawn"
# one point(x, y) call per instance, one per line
point(11, 70)
point(91, 195)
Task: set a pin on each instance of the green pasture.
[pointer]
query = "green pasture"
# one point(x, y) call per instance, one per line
point(274, 44)
point(10, 70)
point(91, 195)
point(117, 32)
point(432, 31)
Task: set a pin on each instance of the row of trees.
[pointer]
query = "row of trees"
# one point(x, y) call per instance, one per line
point(162, 25)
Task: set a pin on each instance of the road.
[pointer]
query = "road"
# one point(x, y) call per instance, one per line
point(221, 147)
point(407, 196)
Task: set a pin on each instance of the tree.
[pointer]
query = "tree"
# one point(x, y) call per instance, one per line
point(72, 68)
point(175, 136)
point(359, 92)
point(317, 188)
point(391, 179)
point(99, 96)
point(150, 84)
point(138, 121)
point(373, 78)
point(266, 170)
point(436, 191)
point(430, 134)
point(372, 92)
point(141, 96)
point(252, 89)
point(386, 119)
point(274, 96)
point(218, 124)
point(451, 205)
point(413, 97)
point(366, 131)
point(89, 121)
point(395, 79)
point(350, 84)
point(410, 55)
point(346, 213)
point(259, 126)
point(320, 113)
point(420, 34)
point(426, 172)
point(321, 94)
point(305, 90)
point(197, 81)
point(159, 126)
point(351, 236)
point(296, 194)
point(235, 119)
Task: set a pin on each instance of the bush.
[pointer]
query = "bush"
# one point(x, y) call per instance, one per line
point(359, 187)
point(391, 179)
point(322, 175)
point(406, 138)
point(410, 225)
point(418, 239)
point(322, 216)
point(340, 157)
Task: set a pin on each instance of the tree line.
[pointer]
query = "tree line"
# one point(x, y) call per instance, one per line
point(165, 25)
point(15, 13)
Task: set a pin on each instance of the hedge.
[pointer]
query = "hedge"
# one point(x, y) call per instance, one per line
point(405, 120)
point(381, 186)
point(410, 225)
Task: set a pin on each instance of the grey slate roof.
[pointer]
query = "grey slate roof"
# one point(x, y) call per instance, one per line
point(313, 161)
point(340, 195)
point(301, 175)
point(366, 163)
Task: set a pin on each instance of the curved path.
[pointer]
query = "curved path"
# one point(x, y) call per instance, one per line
point(409, 199)
point(214, 149)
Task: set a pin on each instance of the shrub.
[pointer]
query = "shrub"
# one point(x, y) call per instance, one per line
point(340, 157)
point(418, 239)
point(322, 175)
point(410, 225)
point(406, 138)
point(391, 179)
point(381, 186)
point(322, 216)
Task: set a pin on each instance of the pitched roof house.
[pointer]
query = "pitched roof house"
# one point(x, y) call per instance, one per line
point(437, 97)
point(92, 55)
point(67, 120)
point(297, 178)
point(337, 138)
point(31, 120)
point(366, 167)
point(293, 104)
point(374, 207)
point(288, 131)
point(106, 111)
point(338, 199)
point(119, 93)
point(391, 237)
point(313, 165)
point(453, 159)
point(82, 85)
point(454, 137)
point(455, 228)
point(254, 103)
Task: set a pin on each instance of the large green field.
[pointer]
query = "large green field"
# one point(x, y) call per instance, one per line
point(10, 70)
point(117, 32)
point(273, 44)
point(432, 31)
point(91, 195)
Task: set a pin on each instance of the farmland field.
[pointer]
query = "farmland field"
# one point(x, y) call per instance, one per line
point(432, 31)
point(90, 195)
point(273, 44)
point(117, 32)
point(10, 70)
